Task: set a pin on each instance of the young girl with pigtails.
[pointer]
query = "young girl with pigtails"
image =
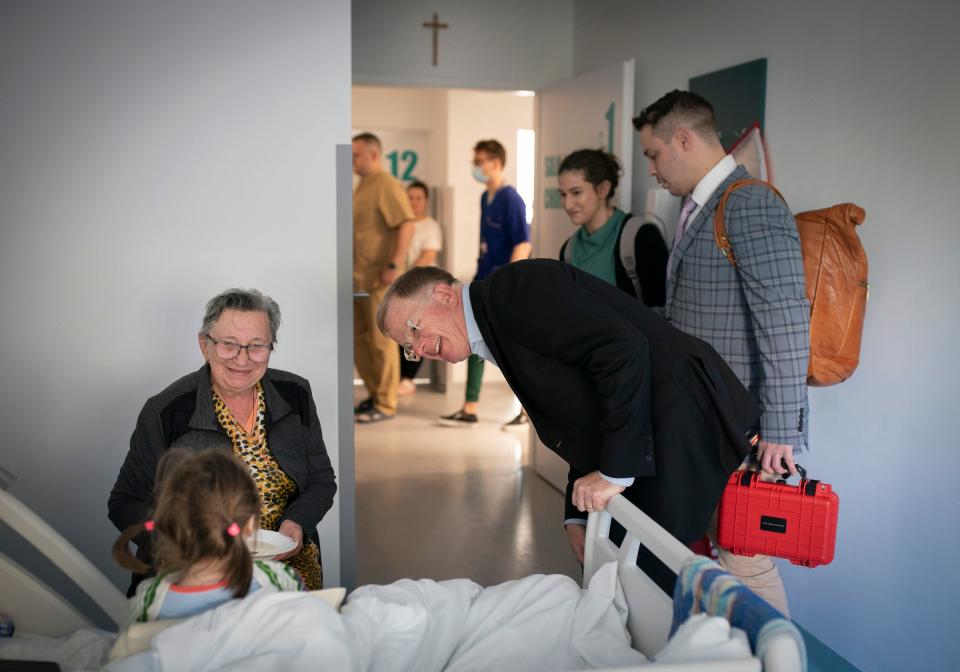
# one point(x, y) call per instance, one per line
point(206, 507)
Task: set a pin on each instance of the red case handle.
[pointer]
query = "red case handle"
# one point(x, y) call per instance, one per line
point(784, 477)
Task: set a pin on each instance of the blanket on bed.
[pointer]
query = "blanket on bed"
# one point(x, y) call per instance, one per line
point(535, 623)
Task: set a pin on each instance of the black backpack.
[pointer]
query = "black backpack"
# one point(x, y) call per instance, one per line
point(625, 246)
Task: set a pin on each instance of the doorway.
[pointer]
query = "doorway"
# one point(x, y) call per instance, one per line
point(428, 135)
point(433, 501)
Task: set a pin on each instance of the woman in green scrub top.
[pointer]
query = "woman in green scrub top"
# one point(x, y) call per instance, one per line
point(608, 236)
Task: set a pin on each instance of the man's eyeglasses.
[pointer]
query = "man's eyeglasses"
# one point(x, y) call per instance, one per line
point(257, 352)
point(408, 352)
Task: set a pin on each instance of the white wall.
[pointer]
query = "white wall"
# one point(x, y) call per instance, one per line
point(152, 155)
point(861, 106)
point(496, 44)
point(405, 109)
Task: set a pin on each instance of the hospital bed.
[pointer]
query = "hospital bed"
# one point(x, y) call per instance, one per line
point(39, 610)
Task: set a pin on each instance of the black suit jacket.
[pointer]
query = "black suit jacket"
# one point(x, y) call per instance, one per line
point(610, 385)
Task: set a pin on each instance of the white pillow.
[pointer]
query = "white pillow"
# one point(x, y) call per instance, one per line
point(332, 596)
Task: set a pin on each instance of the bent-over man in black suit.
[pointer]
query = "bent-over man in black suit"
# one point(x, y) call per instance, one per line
point(632, 404)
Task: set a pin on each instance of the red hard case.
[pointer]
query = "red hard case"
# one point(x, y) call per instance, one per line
point(795, 522)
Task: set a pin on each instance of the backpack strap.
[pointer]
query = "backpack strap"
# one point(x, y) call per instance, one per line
point(626, 245)
point(566, 251)
point(719, 228)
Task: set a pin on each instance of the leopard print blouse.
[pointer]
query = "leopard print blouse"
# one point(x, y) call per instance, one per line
point(276, 488)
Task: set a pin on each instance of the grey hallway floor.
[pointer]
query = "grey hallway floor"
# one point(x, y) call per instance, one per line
point(437, 502)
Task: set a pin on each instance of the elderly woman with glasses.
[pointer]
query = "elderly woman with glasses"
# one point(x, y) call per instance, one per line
point(264, 416)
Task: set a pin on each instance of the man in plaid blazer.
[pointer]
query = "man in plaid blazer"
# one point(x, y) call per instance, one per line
point(755, 314)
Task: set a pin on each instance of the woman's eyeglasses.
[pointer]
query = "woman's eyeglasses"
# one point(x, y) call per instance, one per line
point(257, 352)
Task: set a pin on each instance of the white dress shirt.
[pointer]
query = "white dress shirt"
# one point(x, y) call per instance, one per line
point(477, 346)
point(705, 187)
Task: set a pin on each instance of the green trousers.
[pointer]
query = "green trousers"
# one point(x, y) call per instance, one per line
point(474, 377)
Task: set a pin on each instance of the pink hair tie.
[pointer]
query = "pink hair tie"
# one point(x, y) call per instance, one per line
point(148, 526)
point(233, 530)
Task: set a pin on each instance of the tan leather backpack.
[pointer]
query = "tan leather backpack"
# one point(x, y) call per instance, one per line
point(835, 266)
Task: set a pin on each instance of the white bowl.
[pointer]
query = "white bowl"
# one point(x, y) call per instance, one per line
point(269, 544)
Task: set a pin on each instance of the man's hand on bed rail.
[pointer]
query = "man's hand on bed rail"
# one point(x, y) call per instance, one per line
point(593, 491)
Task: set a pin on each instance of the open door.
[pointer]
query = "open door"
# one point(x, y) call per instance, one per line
point(593, 110)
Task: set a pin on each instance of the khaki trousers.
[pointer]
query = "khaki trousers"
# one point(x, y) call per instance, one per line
point(759, 573)
point(376, 356)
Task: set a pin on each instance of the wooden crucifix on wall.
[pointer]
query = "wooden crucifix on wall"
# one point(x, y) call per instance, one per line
point(437, 27)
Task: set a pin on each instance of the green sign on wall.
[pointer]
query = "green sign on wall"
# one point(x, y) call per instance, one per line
point(552, 165)
point(551, 195)
point(551, 198)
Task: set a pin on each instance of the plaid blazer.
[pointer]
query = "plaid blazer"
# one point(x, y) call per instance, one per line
point(756, 315)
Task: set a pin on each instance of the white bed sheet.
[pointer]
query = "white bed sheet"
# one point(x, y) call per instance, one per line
point(540, 622)
point(535, 623)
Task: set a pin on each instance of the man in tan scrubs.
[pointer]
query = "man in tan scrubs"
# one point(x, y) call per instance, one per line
point(383, 225)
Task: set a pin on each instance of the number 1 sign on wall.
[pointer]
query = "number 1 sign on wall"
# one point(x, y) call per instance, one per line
point(610, 116)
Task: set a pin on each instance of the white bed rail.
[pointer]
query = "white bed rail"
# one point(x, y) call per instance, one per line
point(650, 609)
point(638, 525)
point(34, 607)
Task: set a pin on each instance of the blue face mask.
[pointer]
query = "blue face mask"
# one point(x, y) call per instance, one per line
point(478, 175)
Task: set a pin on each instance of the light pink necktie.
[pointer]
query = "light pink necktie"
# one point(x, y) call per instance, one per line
point(689, 205)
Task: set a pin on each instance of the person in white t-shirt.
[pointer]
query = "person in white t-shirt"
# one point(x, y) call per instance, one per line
point(424, 247)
